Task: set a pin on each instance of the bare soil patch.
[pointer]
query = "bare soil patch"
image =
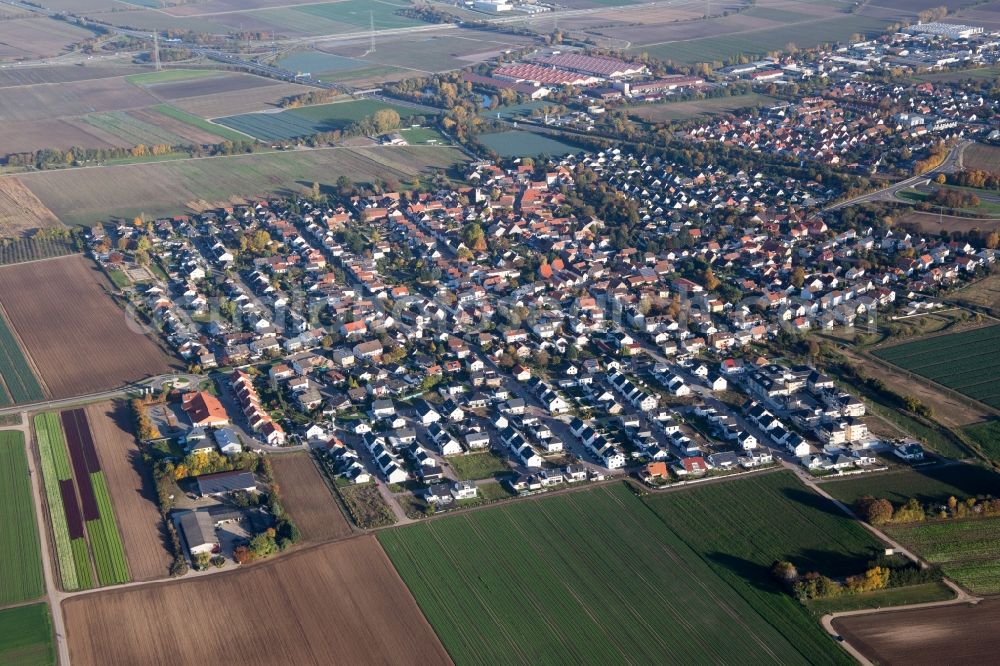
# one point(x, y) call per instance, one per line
point(30, 135)
point(37, 36)
point(212, 85)
point(21, 210)
point(80, 340)
point(240, 101)
point(72, 98)
point(24, 76)
point(342, 603)
point(307, 498)
point(132, 491)
point(981, 157)
point(960, 634)
point(932, 223)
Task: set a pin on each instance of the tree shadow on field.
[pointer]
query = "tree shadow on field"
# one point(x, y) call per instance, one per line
point(752, 573)
point(809, 499)
point(120, 414)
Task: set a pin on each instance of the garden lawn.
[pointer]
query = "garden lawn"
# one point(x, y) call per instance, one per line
point(20, 554)
point(482, 465)
point(586, 577)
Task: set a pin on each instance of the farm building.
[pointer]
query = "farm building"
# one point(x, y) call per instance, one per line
point(204, 409)
point(224, 483)
point(199, 532)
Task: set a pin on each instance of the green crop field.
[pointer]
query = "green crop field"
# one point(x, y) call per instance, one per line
point(309, 120)
point(26, 636)
point(55, 466)
point(755, 43)
point(319, 64)
point(19, 382)
point(596, 577)
point(987, 436)
point(741, 527)
point(933, 483)
point(200, 123)
point(965, 549)
point(517, 143)
point(966, 362)
point(20, 554)
point(361, 13)
point(109, 552)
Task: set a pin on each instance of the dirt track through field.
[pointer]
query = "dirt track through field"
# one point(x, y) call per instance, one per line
point(308, 500)
point(79, 339)
point(132, 492)
point(342, 603)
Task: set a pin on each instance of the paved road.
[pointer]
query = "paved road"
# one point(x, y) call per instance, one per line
point(951, 164)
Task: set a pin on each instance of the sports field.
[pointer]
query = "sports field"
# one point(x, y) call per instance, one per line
point(966, 362)
point(597, 577)
point(20, 556)
point(309, 120)
point(517, 143)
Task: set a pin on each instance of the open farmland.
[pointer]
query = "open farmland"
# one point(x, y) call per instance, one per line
point(987, 436)
point(307, 499)
point(132, 491)
point(741, 527)
point(983, 293)
point(667, 111)
point(26, 636)
point(963, 635)
point(981, 157)
point(966, 362)
point(239, 101)
point(935, 223)
point(928, 483)
point(592, 577)
point(338, 603)
point(309, 120)
point(17, 381)
point(83, 196)
point(73, 98)
point(20, 554)
point(516, 143)
point(80, 340)
point(37, 36)
point(63, 510)
point(18, 250)
point(20, 209)
point(966, 549)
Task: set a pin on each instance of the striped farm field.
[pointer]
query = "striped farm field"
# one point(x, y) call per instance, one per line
point(966, 362)
point(55, 467)
point(965, 549)
point(20, 555)
point(19, 383)
point(26, 636)
point(593, 576)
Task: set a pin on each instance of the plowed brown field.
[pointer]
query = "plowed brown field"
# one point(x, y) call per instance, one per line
point(953, 635)
point(342, 603)
point(132, 492)
point(307, 498)
point(79, 339)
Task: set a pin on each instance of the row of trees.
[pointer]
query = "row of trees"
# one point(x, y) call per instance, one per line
point(55, 158)
point(880, 511)
point(815, 585)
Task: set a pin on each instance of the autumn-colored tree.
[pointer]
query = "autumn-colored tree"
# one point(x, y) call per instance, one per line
point(242, 554)
point(875, 511)
point(798, 277)
point(711, 282)
point(385, 120)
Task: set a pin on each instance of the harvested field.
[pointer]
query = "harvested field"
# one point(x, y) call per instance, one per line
point(60, 133)
point(220, 83)
point(960, 634)
point(25, 76)
point(83, 196)
point(20, 209)
point(132, 491)
point(37, 36)
point(188, 133)
point(980, 157)
point(241, 101)
point(338, 603)
point(74, 98)
point(933, 223)
point(307, 499)
point(80, 340)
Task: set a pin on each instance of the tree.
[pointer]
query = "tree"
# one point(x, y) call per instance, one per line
point(993, 240)
point(263, 545)
point(316, 194)
point(875, 511)
point(785, 572)
point(798, 277)
point(260, 241)
point(814, 349)
point(385, 120)
point(242, 555)
point(711, 282)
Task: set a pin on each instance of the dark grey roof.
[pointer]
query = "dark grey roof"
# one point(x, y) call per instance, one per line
point(225, 482)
